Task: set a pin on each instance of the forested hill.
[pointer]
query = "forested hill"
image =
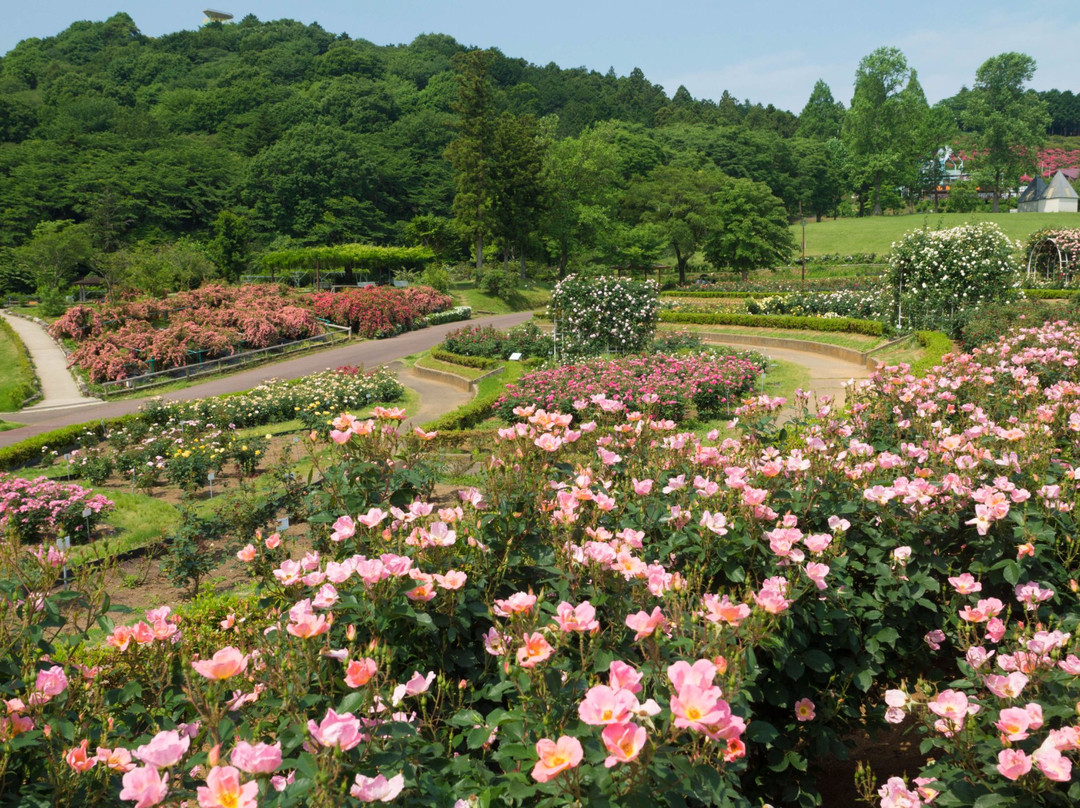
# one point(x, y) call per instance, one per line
point(317, 136)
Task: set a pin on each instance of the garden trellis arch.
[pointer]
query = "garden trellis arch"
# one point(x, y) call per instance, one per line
point(1052, 255)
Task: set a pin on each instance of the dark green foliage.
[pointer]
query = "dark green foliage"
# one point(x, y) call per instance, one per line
point(481, 362)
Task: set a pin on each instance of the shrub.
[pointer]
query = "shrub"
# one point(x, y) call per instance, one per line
point(604, 314)
point(499, 283)
point(935, 275)
point(661, 384)
point(41, 510)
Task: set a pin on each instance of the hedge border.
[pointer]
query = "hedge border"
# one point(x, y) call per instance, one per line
point(478, 362)
point(26, 451)
point(479, 409)
point(709, 293)
point(848, 325)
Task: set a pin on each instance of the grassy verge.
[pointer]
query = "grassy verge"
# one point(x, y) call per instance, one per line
point(16, 373)
point(525, 298)
point(140, 520)
point(858, 342)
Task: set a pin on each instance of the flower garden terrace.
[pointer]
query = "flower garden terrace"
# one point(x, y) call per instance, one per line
point(637, 614)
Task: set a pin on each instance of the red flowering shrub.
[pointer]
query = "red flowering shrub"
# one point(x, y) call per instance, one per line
point(132, 337)
point(378, 311)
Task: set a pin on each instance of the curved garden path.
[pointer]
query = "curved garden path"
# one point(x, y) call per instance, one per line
point(828, 375)
point(367, 354)
point(58, 386)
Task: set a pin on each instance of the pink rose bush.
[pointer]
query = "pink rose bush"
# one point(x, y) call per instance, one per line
point(632, 612)
point(44, 510)
point(668, 386)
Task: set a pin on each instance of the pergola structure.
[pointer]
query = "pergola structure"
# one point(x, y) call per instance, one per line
point(217, 16)
point(1048, 261)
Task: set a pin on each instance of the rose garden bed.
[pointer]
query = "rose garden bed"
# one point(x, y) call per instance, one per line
point(626, 614)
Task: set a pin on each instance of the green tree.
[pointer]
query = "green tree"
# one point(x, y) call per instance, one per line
point(517, 183)
point(822, 117)
point(231, 245)
point(581, 178)
point(1009, 122)
point(751, 230)
point(470, 152)
point(820, 166)
point(678, 202)
point(882, 128)
point(55, 253)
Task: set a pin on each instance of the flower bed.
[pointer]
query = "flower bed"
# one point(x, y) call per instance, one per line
point(115, 341)
point(659, 383)
point(312, 398)
point(623, 613)
point(869, 304)
point(42, 510)
point(380, 311)
point(490, 342)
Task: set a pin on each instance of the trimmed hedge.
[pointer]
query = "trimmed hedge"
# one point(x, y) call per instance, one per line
point(936, 345)
point(29, 450)
point(480, 362)
point(706, 293)
point(844, 324)
point(1051, 294)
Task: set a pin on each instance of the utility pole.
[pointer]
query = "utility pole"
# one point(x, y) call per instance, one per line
point(802, 220)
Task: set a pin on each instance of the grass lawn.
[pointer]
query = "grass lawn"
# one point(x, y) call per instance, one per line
point(858, 342)
point(139, 519)
point(877, 233)
point(534, 295)
point(16, 374)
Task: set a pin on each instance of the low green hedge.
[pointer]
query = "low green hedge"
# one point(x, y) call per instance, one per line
point(29, 451)
point(481, 362)
point(715, 293)
point(1051, 294)
point(936, 345)
point(848, 325)
point(454, 315)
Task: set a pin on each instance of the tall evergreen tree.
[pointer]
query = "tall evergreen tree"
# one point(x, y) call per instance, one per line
point(470, 152)
point(517, 183)
point(822, 117)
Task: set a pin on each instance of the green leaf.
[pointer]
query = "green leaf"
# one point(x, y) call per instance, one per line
point(818, 660)
point(761, 732)
point(993, 800)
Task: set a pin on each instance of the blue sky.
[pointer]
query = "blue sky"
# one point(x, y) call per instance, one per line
point(770, 51)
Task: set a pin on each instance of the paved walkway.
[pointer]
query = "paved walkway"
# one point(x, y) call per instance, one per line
point(828, 374)
point(367, 354)
point(58, 387)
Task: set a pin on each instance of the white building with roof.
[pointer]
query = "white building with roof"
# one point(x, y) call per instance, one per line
point(1056, 196)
